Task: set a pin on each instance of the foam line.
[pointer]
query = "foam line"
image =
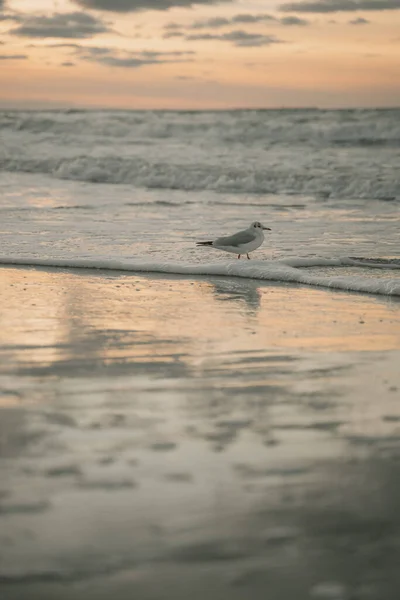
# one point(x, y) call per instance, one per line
point(280, 271)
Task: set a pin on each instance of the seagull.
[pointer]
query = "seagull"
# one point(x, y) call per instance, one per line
point(241, 242)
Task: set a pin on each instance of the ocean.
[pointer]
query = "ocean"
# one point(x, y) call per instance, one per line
point(135, 190)
point(178, 423)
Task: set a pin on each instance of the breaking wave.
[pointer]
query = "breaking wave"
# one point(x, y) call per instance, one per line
point(312, 126)
point(327, 154)
point(236, 179)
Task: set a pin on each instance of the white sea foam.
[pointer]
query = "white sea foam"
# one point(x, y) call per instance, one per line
point(367, 263)
point(371, 182)
point(310, 152)
point(318, 127)
point(287, 270)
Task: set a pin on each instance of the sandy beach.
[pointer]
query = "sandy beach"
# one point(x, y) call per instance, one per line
point(175, 423)
point(165, 436)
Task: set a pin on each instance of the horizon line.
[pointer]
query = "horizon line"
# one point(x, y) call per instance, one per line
point(194, 110)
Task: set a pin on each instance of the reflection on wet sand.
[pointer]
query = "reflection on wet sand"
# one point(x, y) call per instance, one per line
point(179, 427)
point(237, 290)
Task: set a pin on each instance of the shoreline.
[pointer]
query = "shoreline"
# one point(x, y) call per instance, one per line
point(238, 437)
point(350, 306)
point(291, 271)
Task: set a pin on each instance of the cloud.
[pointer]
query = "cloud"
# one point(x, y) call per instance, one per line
point(359, 21)
point(293, 21)
point(331, 6)
point(13, 56)
point(10, 17)
point(125, 6)
point(76, 25)
point(132, 60)
point(112, 57)
point(79, 49)
point(248, 18)
point(127, 62)
point(63, 46)
point(244, 19)
point(172, 34)
point(238, 38)
point(210, 23)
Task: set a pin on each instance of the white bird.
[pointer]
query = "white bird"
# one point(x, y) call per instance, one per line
point(242, 242)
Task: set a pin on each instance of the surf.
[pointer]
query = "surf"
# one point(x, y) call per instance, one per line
point(291, 270)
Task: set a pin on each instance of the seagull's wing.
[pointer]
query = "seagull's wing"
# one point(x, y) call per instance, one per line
point(237, 239)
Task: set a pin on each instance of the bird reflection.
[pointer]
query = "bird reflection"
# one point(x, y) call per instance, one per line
point(236, 290)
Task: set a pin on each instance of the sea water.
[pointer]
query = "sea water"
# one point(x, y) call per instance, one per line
point(135, 191)
point(227, 437)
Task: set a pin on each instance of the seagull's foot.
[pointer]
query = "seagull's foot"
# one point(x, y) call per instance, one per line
point(239, 256)
point(248, 257)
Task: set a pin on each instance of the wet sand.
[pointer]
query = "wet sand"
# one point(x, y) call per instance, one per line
point(166, 438)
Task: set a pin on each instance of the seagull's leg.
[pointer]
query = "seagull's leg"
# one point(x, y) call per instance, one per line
point(238, 256)
point(248, 256)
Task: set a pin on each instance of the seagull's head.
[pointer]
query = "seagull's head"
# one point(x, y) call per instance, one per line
point(258, 225)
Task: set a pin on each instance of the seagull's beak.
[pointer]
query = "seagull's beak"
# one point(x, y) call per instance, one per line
point(267, 229)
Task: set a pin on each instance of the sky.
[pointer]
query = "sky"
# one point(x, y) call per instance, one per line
point(177, 54)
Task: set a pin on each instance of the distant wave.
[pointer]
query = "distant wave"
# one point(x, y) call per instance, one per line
point(320, 127)
point(325, 154)
point(288, 270)
point(217, 178)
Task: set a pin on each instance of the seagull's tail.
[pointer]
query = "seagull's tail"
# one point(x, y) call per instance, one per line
point(204, 243)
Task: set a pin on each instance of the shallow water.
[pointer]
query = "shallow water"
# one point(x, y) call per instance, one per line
point(208, 430)
point(75, 224)
point(177, 423)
